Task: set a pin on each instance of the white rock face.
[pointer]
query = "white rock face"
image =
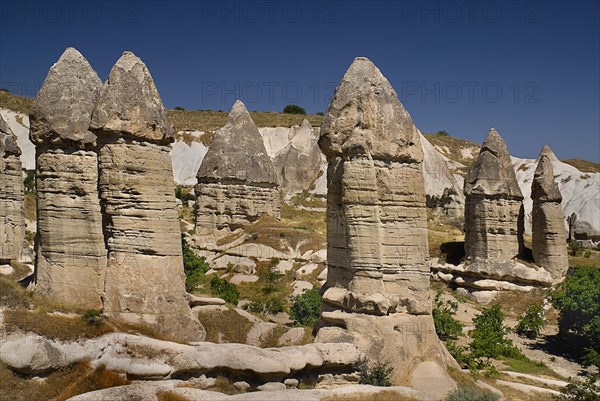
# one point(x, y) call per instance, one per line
point(186, 161)
point(579, 192)
point(19, 125)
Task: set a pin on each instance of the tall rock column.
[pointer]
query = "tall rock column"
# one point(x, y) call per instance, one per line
point(70, 249)
point(549, 239)
point(144, 279)
point(377, 289)
point(494, 220)
point(236, 181)
point(12, 224)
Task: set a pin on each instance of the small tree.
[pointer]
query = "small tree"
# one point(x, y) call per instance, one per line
point(294, 109)
point(531, 322)
point(446, 327)
point(489, 335)
point(306, 307)
point(194, 266)
point(377, 374)
point(224, 289)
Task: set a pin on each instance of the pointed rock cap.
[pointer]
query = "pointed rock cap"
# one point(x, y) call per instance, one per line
point(544, 188)
point(129, 104)
point(8, 140)
point(365, 117)
point(546, 150)
point(237, 153)
point(492, 173)
point(62, 108)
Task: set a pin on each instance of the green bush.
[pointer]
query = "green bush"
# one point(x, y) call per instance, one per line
point(489, 336)
point(580, 390)
point(470, 394)
point(531, 322)
point(224, 289)
point(179, 108)
point(272, 278)
point(306, 307)
point(194, 266)
point(270, 306)
point(29, 181)
point(578, 300)
point(92, 317)
point(294, 109)
point(441, 133)
point(446, 327)
point(377, 374)
point(575, 247)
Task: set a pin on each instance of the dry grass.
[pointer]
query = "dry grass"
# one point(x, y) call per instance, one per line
point(514, 303)
point(53, 326)
point(12, 294)
point(309, 220)
point(30, 206)
point(515, 395)
point(304, 199)
point(302, 235)
point(15, 103)
point(169, 395)
point(57, 386)
point(441, 237)
point(208, 120)
point(383, 395)
point(454, 146)
point(225, 327)
point(583, 165)
point(593, 260)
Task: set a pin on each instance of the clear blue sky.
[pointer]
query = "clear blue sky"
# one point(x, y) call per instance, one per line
point(531, 69)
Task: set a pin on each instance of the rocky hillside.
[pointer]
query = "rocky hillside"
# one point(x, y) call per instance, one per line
point(291, 143)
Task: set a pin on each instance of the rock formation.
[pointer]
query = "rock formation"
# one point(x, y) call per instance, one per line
point(144, 278)
point(377, 289)
point(236, 181)
point(493, 208)
point(549, 242)
point(12, 225)
point(71, 254)
point(298, 164)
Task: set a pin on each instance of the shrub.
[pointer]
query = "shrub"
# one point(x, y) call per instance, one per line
point(269, 307)
point(578, 299)
point(294, 109)
point(489, 335)
point(580, 390)
point(446, 327)
point(224, 289)
point(306, 307)
point(179, 108)
point(441, 133)
point(272, 278)
point(194, 266)
point(575, 247)
point(320, 113)
point(377, 374)
point(470, 394)
point(531, 322)
point(29, 181)
point(92, 317)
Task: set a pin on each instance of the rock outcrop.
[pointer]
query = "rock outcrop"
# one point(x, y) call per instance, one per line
point(493, 207)
point(377, 289)
point(549, 238)
point(298, 164)
point(12, 224)
point(236, 181)
point(71, 254)
point(144, 278)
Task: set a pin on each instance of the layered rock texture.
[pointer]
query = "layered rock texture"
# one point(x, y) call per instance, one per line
point(12, 225)
point(549, 242)
point(71, 254)
point(236, 181)
point(144, 278)
point(377, 289)
point(493, 206)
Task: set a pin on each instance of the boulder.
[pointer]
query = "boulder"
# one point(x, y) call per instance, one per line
point(71, 253)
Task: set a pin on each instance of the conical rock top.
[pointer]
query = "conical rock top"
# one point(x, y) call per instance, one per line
point(63, 106)
point(492, 173)
point(238, 153)
point(129, 104)
point(544, 188)
point(8, 140)
point(365, 117)
point(546, 150)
